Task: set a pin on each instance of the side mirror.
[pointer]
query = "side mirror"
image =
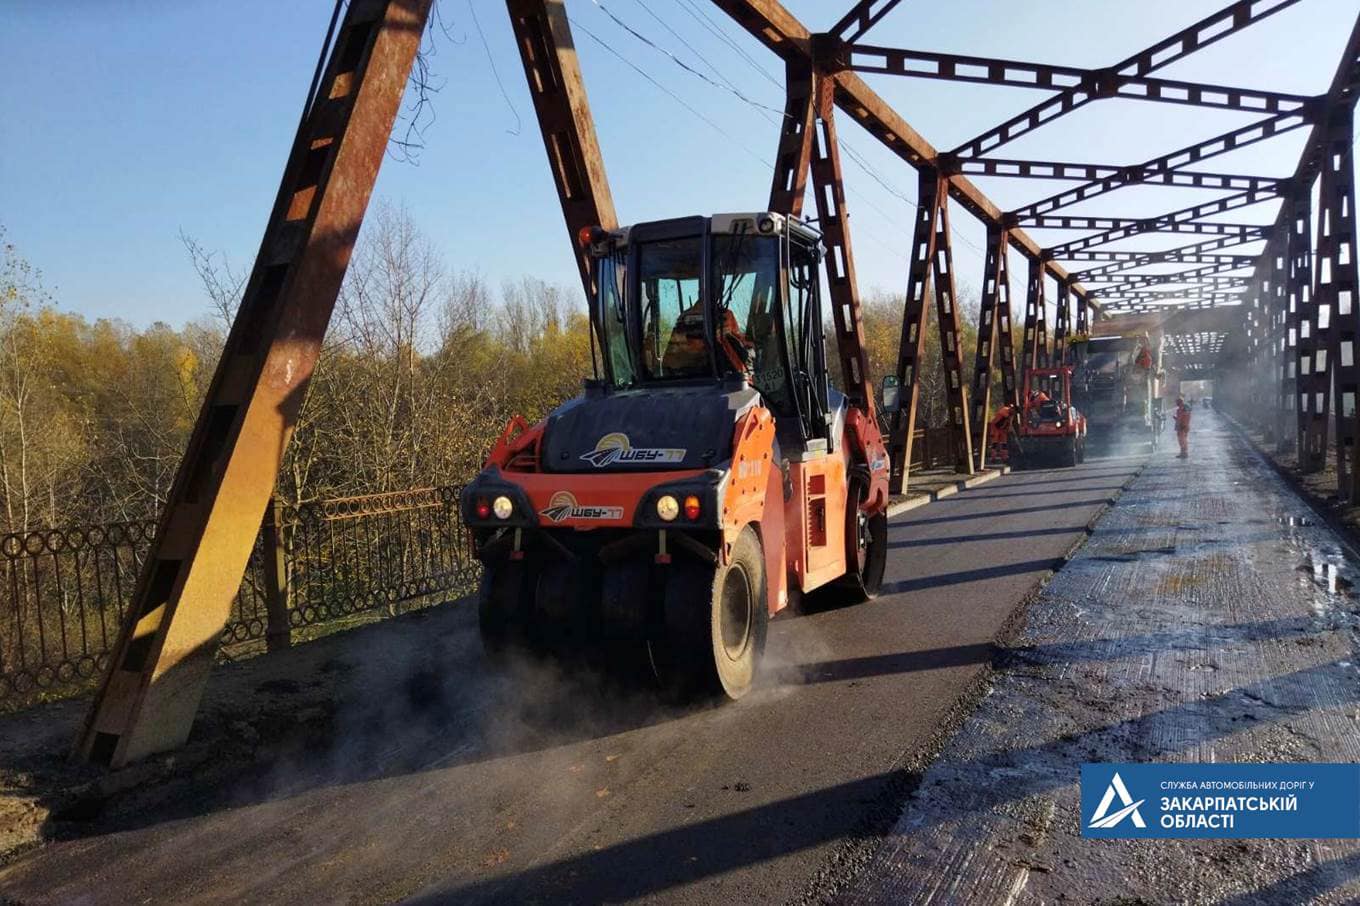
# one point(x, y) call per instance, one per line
point(892, 394)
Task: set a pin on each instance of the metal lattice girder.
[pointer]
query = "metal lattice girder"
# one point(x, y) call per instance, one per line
point(834, 223)
point(1122, 262)
point(1277, 262)
point(862, 17)
point(1083, 319)
point(1005, 325)
point(794, 155)
point(1259, 131)
point(543, 36)
point(1236, 232)
point(1204, 275)
point(1311, 374)
point(1216, 27)
point(951, 348)
point(1336, 286)
point(912, 345)
point(1094, 83)
point(777, 29)
point(932, 268)
point(1070, 172)
point(1062, 324)
point(1154, 295)
point(995, 287)
point(205, 535)
point(1035, 350)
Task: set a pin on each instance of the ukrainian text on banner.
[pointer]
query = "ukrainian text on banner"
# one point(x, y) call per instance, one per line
point(1220, 800)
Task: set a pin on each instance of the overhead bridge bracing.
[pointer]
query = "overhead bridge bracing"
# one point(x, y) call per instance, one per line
point(1283, 321)
point(1293, 322)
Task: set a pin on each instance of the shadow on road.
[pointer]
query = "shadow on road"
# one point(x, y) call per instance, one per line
point(657, 862)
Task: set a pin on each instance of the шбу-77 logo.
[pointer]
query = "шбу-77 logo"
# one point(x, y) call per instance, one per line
point(615, 448)
point(563, 506)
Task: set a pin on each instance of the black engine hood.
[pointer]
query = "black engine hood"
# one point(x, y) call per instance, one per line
point(651, 429)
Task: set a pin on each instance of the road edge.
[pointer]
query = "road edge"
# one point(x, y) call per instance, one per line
point(840, 869)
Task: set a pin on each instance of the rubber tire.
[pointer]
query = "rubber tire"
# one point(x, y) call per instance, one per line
point(1081, 449)
point(623, 599)
point(554, 608)
point(863, 578)
point(1070, 455)
point(690, 658)
point(503, 603)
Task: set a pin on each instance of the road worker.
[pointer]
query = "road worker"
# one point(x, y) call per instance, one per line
point(1182, 419)
point(998, 432)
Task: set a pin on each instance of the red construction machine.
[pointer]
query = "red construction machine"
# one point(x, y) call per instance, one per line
point(1048, 429)
point(707, 474)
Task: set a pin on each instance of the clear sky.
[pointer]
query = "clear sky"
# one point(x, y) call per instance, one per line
point(126, 122)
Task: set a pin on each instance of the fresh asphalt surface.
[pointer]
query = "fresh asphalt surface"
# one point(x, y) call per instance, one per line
point(539, 787)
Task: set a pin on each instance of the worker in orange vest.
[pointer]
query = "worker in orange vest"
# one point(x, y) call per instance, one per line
point(1182, 419)
point(998, 432)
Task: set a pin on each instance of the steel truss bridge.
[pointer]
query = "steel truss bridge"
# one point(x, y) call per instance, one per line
point(1285, 320)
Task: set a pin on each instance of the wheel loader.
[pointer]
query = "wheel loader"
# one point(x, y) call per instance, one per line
point(708, 475)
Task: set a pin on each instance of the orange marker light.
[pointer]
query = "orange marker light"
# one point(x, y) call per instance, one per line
point(584, 236)
point(692, 508)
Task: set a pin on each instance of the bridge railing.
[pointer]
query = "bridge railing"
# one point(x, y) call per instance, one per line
point(64, 591)
point(932, 447)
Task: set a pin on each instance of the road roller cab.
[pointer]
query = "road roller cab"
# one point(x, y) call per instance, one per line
point(706, 476)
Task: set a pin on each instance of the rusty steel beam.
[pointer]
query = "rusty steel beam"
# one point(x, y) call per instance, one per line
point(781, 32)
point(1212, 278)
point(863, 16)
point(1234, 234)
point(912, 345)
point(1114, 298)
point(1277, 264)
point(1216, 27)
point(553, 73)
point(1259, 131)
point(931, 272)
point(159, 666)
point(1117, 263)
point(1034, 350)
point(807, 144)
point(834, 223)
point(1061, 324)
point(1336, 290)
point(1074, 172)
point(1095, 83)
point(1312, 380)
point(793, 157)
point(995, 287)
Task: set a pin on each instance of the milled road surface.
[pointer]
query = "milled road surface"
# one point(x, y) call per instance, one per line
point(1200, 623)
point(455, 784)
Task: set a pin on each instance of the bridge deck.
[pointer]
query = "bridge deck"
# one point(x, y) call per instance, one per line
point(449, 782)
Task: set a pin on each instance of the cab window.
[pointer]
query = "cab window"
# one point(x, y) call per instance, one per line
point(746, 281)
point(674, 338)
point(617, 350)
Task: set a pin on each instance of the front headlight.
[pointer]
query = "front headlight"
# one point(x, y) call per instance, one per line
point(502, 507)
point(667, 507)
